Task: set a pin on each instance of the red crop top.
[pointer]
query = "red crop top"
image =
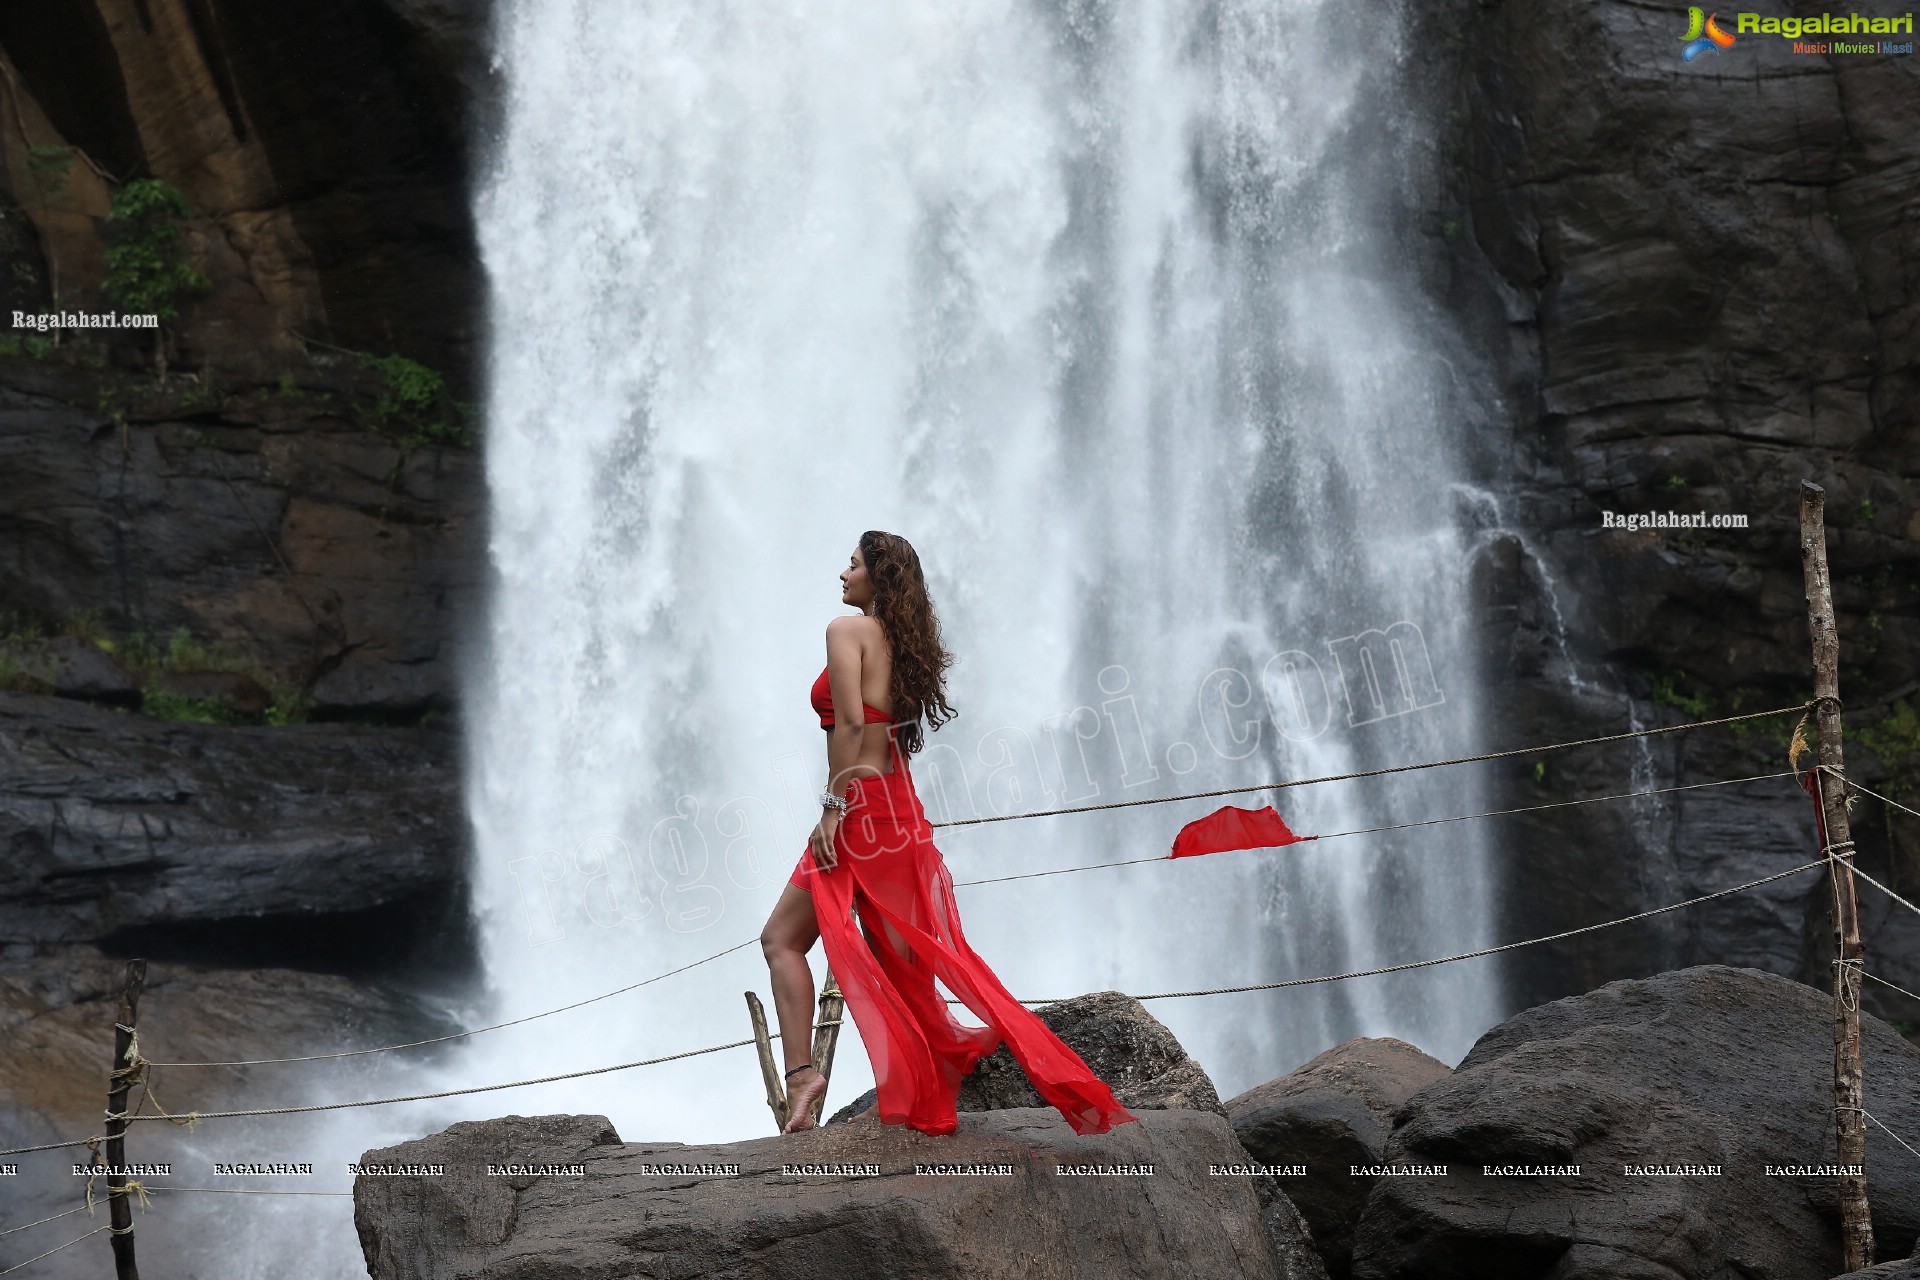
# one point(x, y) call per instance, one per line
point(823, 703)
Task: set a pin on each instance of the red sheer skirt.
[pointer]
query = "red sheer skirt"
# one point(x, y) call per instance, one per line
point(889, 873)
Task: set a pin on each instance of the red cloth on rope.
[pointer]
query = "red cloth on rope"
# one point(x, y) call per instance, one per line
point(1810, 783)
point(889, 874)
point(1230, 828)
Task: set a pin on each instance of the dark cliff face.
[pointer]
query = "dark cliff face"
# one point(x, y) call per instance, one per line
point(1694, 287)
point(269, 522)
point(254, 540)
point(326, 144)
point(326, 147)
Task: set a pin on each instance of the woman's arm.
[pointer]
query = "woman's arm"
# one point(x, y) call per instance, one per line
point(844, 654)
point(844, 658)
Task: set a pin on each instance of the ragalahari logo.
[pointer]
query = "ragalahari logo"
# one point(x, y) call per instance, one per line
point(1703, 33)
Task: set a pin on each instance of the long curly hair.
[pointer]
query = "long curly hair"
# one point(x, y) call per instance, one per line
point(920, 658)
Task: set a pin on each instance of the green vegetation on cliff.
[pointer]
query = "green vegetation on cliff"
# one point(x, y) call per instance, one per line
point(149, 271)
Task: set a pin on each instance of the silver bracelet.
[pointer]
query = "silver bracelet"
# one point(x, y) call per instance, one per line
point(829, 800)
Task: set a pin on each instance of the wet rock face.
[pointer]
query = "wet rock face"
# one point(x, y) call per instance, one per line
point(327, 846)
point(1707, 1067)
point(1685, 282)
point(56, 1014)
point(1329, 1115)
point(272, 527)
point(57, 1009)
point(1123, 1044)
point(69, 667)
point(775, 1220)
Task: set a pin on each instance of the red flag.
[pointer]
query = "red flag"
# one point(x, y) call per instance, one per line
point(1810, 783)
point(1230, 828)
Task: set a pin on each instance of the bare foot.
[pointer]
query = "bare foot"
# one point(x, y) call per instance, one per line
point(800, 1099)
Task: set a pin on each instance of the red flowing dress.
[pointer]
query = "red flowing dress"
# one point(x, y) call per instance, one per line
point(889, 870)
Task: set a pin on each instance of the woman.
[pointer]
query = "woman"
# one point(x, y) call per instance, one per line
point(873, 888)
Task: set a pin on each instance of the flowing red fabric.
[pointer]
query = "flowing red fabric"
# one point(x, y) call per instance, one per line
point(1229, 828)
point(888, 872)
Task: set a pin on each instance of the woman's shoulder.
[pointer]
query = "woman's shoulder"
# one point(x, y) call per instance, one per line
point(855, 625)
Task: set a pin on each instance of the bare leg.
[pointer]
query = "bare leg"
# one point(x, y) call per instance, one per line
point(789, 934)
point(900, 948)
point(899, 943)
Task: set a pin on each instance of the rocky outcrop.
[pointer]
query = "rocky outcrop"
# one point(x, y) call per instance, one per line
point(1330, 1115)
point(327, 846)
point(846, 1202)
point(56, 1018)
point(272, 526)
point(1689, 288)
point(70, 667)
point(1906, 1269)
point(1714, 1068)
point(1127, 1047)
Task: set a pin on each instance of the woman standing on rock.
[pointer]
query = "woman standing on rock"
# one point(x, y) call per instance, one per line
point(873, 888)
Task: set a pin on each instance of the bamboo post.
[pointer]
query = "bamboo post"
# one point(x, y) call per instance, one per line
point(119, 1084)
point(763, 1045)
point(1849, 1117)
point(826, 1035)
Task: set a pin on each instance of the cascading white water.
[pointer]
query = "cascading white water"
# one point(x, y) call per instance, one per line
point(1103, 306)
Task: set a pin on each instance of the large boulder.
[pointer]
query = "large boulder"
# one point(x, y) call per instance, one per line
point(1673, 1096)
point(842, 1202)
point(325, 845)
point(1330, 1115)
point(1127, 1047)
point(1905, 1269)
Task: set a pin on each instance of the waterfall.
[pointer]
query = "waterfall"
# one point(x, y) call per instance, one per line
point(1107, 307)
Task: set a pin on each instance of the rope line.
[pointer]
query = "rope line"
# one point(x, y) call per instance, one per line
point(57, 1248)
point(1869, 790)
point(249, 1191)
point(79, 1208)
point(961, 884)
point(1882, 888)
point(512, 1022)
point(193, 1117)
point(1402, 826)
point(53, 1146)
point(1164, 995)
point(1883, 982)
point(1890, 1133)
point(1464, 955)
point(1371, 773)
point(455, 1093)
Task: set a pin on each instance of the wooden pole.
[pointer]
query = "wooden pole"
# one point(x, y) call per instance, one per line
point(763, 1045)
point(119, 1084)
point(826, 1035)
point(1849, 1118)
